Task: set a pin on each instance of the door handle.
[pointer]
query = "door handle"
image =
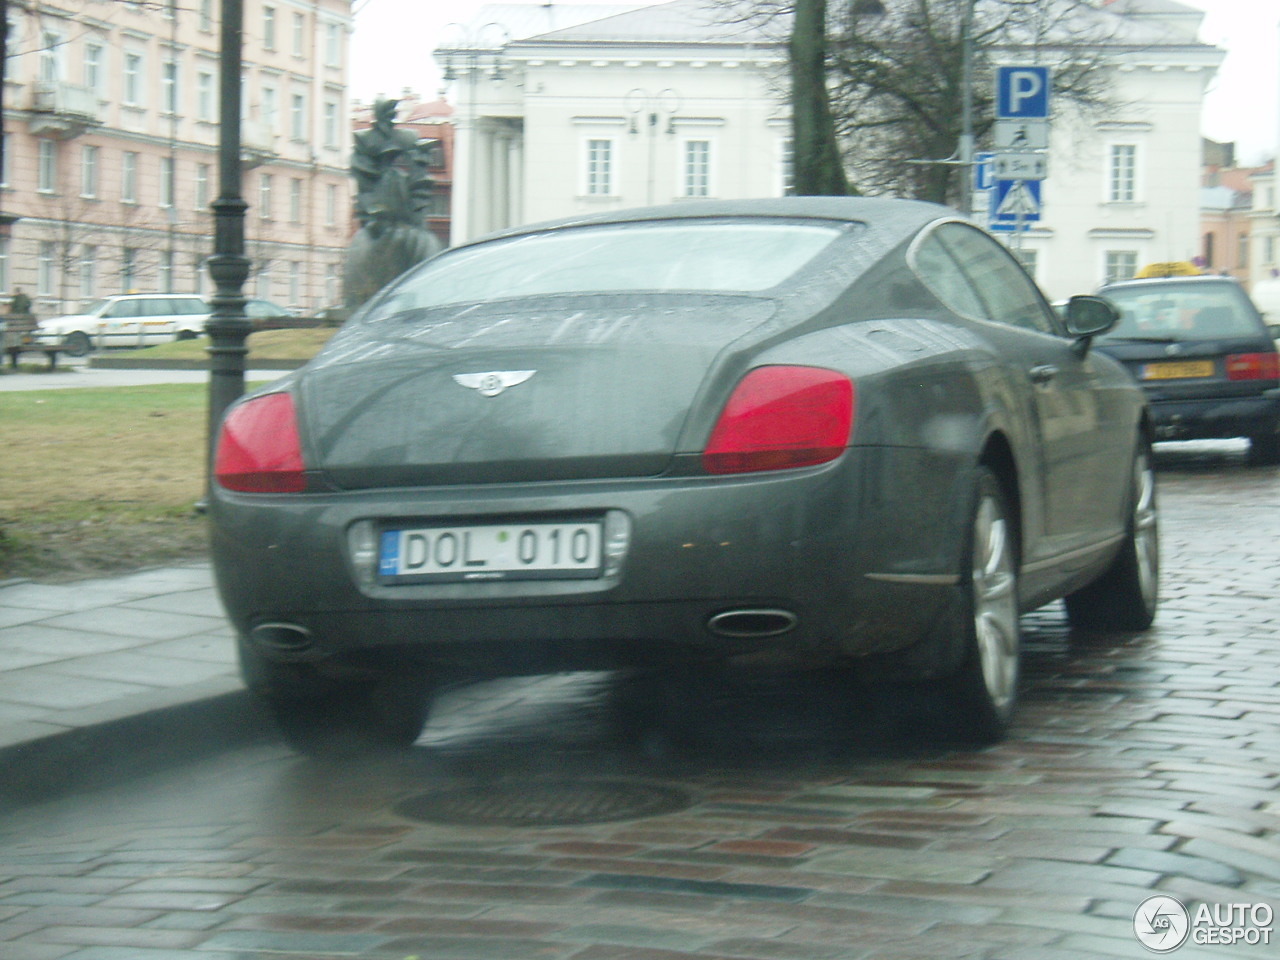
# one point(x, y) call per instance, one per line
point(1043, 373)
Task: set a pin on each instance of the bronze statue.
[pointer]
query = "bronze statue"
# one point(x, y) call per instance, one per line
point(393, 189)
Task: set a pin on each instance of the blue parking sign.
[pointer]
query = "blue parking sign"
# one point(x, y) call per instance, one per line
point(1022, 93)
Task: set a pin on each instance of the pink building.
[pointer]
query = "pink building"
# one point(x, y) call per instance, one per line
point(111, 149)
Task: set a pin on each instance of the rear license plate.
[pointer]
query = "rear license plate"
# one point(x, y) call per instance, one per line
point(1177, 370)
point(515, 551)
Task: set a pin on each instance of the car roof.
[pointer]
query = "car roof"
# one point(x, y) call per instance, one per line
point(895, 215)
point(1171, 282)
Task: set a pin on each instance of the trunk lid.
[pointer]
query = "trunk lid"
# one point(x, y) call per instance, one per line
point(566, 388)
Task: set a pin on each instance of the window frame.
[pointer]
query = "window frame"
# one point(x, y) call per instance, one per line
point(1122, 173)
point(593, 178)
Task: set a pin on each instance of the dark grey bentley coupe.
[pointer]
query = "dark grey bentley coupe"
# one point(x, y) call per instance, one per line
point(848, 431)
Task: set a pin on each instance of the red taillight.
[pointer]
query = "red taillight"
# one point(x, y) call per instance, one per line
point(782, 417)
point(258, 448)
point(1253, 366)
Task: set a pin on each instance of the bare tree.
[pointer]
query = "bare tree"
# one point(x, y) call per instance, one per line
point(898, 86)
point(818, 167)
point(878, 86)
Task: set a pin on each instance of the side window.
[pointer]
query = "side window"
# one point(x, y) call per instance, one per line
point(1009, 294)
point(189, 307)
point(124, 308)
point(157, 308)
point(943, 276)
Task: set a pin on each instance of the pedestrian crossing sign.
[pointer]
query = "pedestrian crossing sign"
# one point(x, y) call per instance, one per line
point(1015, 203)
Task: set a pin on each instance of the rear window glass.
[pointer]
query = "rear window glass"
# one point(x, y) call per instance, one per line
point(1176, 311)
point(696, 255)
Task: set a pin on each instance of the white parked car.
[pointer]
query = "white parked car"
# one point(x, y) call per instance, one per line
point(129, 320)
point(140, 320)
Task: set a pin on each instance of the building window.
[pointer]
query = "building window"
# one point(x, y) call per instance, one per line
point(88, 270)
point(204, 96)
point(1122, 176)
point(295, 200)
point(93, 67)
point(332, 45)
point(89, 172)
point(1208, 249)
point(331, 285)
point(1029, 259)
point(51, 56)
point(268, 28)
point(1269, 250)
point(170, 9)
point(169, 87)
point(269, 109)
point(1121, 265)
point(128, 269)
point(696, 179)
point(133, 79)
point(298, 117)
point(4, 264)
point(330, 205)
point(330, 124)
point(45, 264)
point(129, 178)
point(299, 35)
point(4, 162)
point(1242, 251)
point(166, 181)
point(47, 167)
point(264, 197)
point(206, 16)
point(786, 167)
point(262, 284)
point(295, 282)
point(202, 186)
point(599, 168)
point(166, 271)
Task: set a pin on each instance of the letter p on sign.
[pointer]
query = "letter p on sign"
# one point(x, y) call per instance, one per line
point(1022, 93)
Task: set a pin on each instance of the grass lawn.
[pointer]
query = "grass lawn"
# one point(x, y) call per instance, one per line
point(301, 344)
point(100, 479)
point(94, 480)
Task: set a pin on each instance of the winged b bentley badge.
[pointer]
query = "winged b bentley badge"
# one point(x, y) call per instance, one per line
point(492, 383)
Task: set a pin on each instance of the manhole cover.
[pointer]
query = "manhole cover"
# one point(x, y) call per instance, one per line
point(543, 803)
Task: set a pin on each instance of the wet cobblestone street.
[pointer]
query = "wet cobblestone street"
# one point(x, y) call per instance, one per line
point(801, 823)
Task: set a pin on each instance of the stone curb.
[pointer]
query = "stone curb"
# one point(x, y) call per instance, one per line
point(121, 363)
point(128, 746)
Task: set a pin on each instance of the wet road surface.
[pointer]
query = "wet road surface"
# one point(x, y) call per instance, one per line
point(736, 816)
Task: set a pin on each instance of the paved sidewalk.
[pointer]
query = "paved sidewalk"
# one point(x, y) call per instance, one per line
point(116, 673)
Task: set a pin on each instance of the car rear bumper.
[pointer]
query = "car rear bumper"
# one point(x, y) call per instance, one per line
point(856, 557)
point(1217, 418)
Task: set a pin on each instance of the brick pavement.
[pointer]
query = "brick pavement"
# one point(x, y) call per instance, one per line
point(815, 829)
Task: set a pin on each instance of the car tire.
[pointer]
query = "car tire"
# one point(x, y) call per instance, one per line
point(980, 697)
point(352, 719)
point(1264, 449)
point(77, 343)
point(1126, 596)
point(186, 335)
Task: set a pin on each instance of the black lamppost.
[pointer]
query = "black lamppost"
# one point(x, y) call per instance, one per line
point(227, 326)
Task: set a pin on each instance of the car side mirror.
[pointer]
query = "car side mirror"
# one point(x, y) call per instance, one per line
point(1089, 316)
point(1275, 330)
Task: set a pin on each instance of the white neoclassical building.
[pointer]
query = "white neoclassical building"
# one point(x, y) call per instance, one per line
point(565, 109)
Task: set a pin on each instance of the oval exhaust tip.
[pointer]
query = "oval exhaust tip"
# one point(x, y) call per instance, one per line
point(752, 624)
point(282, 639)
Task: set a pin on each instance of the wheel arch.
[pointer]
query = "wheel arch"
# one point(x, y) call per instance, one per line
point(997, 456)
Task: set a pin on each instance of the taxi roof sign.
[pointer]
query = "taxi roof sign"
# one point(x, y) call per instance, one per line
point(1176, 268)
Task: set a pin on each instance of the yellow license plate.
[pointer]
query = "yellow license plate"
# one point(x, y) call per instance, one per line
point(1178, 370)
